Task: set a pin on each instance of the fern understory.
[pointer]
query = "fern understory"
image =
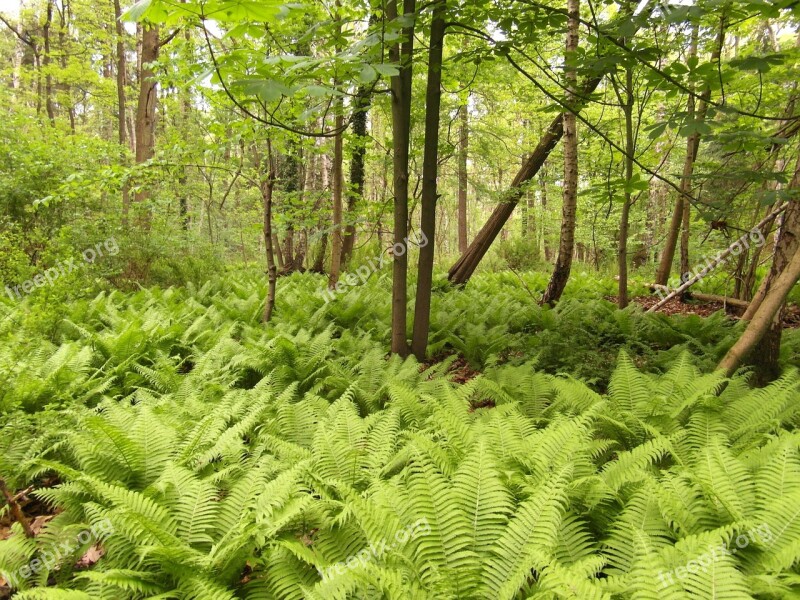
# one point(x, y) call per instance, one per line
point(595, 455)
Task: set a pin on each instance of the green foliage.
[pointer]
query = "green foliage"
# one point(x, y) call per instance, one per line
point(230, 460)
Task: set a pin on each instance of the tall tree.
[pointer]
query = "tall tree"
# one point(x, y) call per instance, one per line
point(463, 182)
point(430, 173)
point(361, 104)
point(401, 52)
point(122, 111)
point(560, 276)
point(267, 174)
point(627, 103)
point(146, 111)
point(696, 112)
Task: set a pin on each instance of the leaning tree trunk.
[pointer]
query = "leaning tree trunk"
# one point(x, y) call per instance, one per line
point(146, 112)
point(430, 172)
point(401, 53)
point(558, 280)
point(767, 351)
point(764, 317)
point(465, 266)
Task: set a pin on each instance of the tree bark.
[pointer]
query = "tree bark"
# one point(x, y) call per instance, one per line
point(558, 280)
point(146, 112)
point(430, 172)
point(401, 53)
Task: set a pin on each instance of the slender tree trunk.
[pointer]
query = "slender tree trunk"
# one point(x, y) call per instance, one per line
point(463, 153)
point(146, 112)
point(288, 249)
point(548, 251)
point(186, 107)
point(336, 234)
point(685, 188)
point(122, 77)
point(357, 170)
point(48, 76)
point(267, 187)
point(558, 280)
point(62, 44)
point(630, 149)
point(430, 172)
point(401, 53)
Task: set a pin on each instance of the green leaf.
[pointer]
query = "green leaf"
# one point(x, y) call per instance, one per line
point(386, 70)
point(368, 74)
point(137, 11)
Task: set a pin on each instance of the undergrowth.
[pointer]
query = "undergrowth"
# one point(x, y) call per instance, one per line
point(593, 455)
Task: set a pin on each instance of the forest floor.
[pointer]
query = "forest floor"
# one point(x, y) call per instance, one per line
point(700, 308)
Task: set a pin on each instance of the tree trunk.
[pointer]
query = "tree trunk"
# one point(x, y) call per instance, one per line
point(122, 77)
point(463, 152)
point(685, 188)
point(401, 53)
point(267, 187)
point(276, 246)
point(336, 234)
point(763, 318)
point(430, 172)
point(48, 77)
point(558, 281)
point(767, 351)
point(146, 112)
point(548, 251)
point(465, 266)
point(357, 170)
point(630, 149)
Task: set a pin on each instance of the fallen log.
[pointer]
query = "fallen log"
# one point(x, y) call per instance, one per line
point(721, 299)
point(705, 297)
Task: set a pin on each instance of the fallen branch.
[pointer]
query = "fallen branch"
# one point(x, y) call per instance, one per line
point(720, 258)
point(721, 299)
point(16, 511)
